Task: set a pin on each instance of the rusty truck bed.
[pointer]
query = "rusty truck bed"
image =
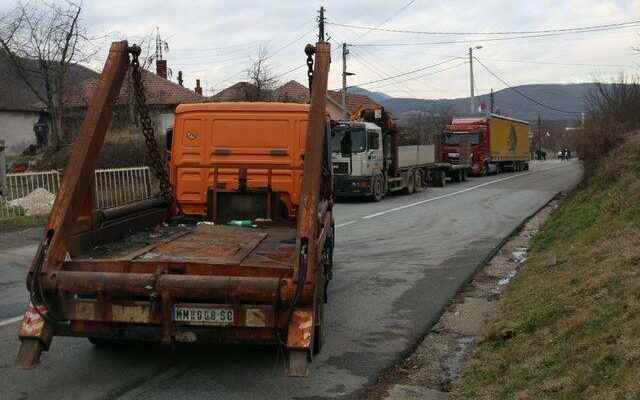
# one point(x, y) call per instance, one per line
point(199, 250)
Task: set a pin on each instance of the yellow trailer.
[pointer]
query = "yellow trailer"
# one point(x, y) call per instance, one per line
point(508, 139)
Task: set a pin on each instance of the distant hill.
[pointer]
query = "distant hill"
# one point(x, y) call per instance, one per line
point(377, 96)
point(566, 97)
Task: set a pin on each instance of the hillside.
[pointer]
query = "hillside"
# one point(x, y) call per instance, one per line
point(569, 97)
point(567, 325)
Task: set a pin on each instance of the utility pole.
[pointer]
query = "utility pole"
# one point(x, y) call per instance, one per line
point(539, 133)
point(321, 21)
point(472, 99)
point(345, 52)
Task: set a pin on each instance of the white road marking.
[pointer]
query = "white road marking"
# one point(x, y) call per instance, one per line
point(10, 321)
point(444, 196)
point(345, 224)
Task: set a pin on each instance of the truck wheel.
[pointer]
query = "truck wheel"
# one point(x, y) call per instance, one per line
point(378, 188)
point(464, 175)
point(410, 183)
point(442, 179)
point(418, 187)
point(486, 169)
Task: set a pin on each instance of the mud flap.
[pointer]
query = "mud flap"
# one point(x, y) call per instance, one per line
point(35, 336)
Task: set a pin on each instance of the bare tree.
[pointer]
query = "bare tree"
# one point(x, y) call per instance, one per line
point(41, 41)
point(260, 74)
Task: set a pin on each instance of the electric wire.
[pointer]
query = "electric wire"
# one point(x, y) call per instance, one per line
point(481, 40)
point(516, 90)
point(558, 30)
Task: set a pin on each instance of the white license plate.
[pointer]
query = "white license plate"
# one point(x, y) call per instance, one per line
point(203, 315)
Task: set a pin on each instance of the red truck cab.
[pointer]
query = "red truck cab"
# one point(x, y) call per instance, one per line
point(466, 140)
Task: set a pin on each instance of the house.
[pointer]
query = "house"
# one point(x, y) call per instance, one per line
point(295, 92)
point(19, 106)
point(162, 98)
point(241, 91)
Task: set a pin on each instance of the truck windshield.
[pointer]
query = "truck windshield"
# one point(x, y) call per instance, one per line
point(345, 138)
point(453, 139)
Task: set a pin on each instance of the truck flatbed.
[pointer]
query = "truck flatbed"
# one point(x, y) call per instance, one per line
point(212, 248)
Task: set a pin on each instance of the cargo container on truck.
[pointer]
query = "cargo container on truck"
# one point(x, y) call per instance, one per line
point(368, 162)
point(174, 270)
point(490, 143)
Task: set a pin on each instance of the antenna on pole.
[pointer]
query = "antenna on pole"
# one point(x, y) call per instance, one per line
point(158, 44)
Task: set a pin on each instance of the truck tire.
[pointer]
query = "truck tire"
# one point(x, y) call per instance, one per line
point(442, 179)
point(418, 180)
point(378, 188)
point(464, 175)
point(410, 185)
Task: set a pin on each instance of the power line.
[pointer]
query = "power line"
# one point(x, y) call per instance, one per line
point(406, 73)
point(377, 87)
point(485, 39)
point(531, 99)
point(371, 67)
point(563, 64)
point(558, 30)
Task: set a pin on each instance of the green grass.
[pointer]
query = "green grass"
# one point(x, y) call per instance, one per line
point(13, 224)
point(572, 331)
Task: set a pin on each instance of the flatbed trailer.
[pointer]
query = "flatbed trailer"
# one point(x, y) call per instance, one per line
point(174, 269)
point(369, 162)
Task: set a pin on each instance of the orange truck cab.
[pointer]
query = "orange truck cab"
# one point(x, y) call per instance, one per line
point(222, 151)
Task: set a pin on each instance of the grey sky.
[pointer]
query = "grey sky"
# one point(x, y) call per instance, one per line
point(215, 40)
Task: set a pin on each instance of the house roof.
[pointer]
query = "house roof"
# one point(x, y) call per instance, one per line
point(17, 96)
point(241, 91)
point(354, 101)
point(292, 91)
point(159, 92)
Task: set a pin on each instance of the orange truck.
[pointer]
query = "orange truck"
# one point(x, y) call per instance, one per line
point(179, 270)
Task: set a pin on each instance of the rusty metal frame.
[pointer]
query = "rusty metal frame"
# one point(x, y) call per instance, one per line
point(74, 190)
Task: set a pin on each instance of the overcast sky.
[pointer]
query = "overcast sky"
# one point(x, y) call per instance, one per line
point(216, 40)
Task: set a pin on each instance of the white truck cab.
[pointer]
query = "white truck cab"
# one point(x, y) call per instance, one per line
point(357, 156)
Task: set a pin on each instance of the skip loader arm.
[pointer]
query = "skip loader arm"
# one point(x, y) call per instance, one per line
point(38, 325)
point(310, 223)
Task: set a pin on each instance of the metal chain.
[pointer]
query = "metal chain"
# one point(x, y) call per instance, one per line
point(158, 165)
point(310, 51)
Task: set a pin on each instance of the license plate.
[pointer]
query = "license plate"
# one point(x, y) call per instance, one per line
point(203, 315)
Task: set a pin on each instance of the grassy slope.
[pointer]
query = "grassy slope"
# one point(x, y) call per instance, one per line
point(572, 331)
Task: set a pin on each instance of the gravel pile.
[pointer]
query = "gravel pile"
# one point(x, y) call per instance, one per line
point(38, 202)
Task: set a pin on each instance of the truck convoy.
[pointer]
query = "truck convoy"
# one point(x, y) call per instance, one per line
point(173, 270)
point(368, 162)
point(490, 143)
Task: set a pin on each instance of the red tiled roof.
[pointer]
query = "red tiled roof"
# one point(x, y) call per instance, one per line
point(241, 91)
point(354, 101)
point(292, 91)
point(159, 91)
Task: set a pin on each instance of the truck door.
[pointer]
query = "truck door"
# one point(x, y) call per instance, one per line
point(374, 153)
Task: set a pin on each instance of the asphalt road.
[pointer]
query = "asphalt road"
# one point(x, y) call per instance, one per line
point(397, 263)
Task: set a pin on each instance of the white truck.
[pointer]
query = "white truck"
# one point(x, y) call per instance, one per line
point(368, 162)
